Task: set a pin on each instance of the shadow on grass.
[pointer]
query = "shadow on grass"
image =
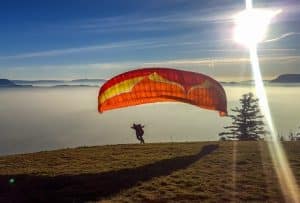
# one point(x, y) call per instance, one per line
point(89, 187)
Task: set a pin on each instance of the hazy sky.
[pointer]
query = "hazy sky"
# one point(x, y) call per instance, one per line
point(63, 39)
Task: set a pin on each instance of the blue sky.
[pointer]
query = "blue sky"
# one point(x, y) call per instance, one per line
point(99, 38)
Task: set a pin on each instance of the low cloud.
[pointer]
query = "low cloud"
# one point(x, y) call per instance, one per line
point(207, 61)
point(58, 52)
point(283, 36)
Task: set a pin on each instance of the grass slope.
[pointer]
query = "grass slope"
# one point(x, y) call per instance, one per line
point(185, 172)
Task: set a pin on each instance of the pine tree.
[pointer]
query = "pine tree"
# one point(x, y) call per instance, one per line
point(292, 136)
point(297, 136)
point(247, 122)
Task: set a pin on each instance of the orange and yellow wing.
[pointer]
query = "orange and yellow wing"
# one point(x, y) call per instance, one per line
point(150, 85)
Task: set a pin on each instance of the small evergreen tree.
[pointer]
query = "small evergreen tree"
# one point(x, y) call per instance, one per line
point(292, 136)
point(281, 138)
point(247, 122)
point(222, 139)
point(295, 136)
point(298, 135)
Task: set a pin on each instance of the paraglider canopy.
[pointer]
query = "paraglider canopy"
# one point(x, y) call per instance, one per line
point(150, 85)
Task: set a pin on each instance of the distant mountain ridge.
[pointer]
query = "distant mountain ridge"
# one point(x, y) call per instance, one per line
point(37, 81)
point(6, 83)
point(287, 78)
point(52, 83)
point(57, 81)
point(61, 83)
point(89, 80)
point(281, 79)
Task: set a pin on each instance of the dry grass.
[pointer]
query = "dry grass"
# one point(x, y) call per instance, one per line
point(185, 172)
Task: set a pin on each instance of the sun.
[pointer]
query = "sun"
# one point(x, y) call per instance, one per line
point(251, 25)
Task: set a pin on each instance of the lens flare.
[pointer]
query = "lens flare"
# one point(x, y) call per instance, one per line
point(11, 181)
point(285, 175)
point(251, 28)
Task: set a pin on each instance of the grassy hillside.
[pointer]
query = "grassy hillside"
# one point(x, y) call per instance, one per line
point(204, 171)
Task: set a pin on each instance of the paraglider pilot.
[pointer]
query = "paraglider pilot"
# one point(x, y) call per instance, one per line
point(139, 132)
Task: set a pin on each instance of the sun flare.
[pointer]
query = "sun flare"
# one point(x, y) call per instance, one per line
point(251, 25)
